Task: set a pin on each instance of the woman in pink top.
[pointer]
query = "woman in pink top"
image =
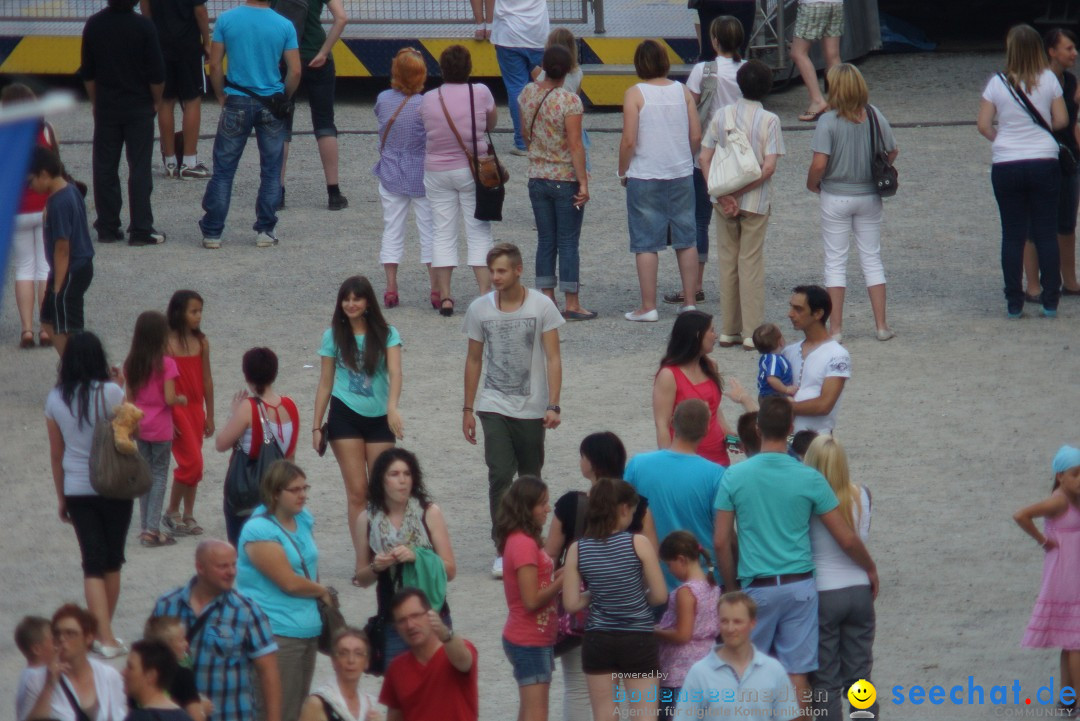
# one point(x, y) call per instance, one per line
point(687, 371)
point(448, 177)
point(530, 585)
point(151, 386)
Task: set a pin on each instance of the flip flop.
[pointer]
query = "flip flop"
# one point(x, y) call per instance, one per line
point(810, 117)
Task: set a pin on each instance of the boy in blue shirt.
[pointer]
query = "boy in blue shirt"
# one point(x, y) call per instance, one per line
point(774, 371)
point(68, 249)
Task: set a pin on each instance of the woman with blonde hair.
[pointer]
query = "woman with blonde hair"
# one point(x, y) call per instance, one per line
point(1026, 100)
point(841, 174)
point(846, 621)
point(400, 168)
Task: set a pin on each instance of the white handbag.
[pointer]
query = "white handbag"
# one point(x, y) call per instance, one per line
point(734, 164)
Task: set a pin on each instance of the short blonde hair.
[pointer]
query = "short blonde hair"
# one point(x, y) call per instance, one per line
point(277, 476)
point(408, 72)
point(1025, 58)
point(848, 94)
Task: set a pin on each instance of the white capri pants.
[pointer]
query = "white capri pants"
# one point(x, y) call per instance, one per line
point(395, 209)
point(842, 216)
point(451, 195)
point(29, 247)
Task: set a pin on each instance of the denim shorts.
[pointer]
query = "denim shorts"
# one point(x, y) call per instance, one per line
point(1068, 201)
point(661, 213)
point(532, 664)
point(787, 623)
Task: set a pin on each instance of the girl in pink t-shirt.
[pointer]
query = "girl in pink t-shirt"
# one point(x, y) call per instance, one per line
point(151, 386)
point(531, 586)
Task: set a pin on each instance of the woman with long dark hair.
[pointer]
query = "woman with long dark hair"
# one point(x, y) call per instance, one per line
point(361, 382)
point(624, 581)
point(687, 371)
point(400, 519)
point(1025, 173)
point(84, 393)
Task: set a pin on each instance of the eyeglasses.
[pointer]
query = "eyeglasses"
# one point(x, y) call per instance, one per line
point(345, 653)
point(298, 489)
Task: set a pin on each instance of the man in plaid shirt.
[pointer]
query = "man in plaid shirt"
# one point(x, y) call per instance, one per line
point(228, 634)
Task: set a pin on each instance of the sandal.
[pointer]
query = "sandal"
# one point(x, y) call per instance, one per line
point(192, 526)
point(809, 116)
point(443, 310)
point(434, 297)
point(390, 299)
point(44, 340)
point(27, 339)
point(175, 523)
point(156, 540)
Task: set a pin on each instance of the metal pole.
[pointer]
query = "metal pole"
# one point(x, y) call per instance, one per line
point(598, 17)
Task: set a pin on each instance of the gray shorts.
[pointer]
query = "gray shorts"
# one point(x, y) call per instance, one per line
point(660, 212)
point(819, 20)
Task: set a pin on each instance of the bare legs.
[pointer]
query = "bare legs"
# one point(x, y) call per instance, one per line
point(1067, 248)
point(181, 493)
point(649, 263)
point(192, 118)
point(102, 595)
point(355, 458)
point(603, 699)
point(483, 278)
point(690, 271)
point(800, 55)
point(533, 702)
point(877, 304)
point(573, 303)
point(441, 279)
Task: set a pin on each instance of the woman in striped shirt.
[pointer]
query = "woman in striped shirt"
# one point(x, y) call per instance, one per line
point(623, 576)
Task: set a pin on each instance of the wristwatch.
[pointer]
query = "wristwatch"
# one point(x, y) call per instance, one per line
point(449, 637)
point(555, 408)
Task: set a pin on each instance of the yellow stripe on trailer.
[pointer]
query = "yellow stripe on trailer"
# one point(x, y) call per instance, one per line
point(44, 55)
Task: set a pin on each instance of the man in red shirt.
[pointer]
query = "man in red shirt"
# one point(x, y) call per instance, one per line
point(437, 677)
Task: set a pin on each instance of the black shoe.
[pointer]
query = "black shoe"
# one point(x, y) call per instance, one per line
point(113, 237)
point(152, 238)
point(338, 202)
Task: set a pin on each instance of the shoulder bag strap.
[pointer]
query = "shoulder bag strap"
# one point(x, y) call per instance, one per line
point(537, 113)
point(289, 405)
point(80, 715)
point(1021, 97)
point(472, 119)
point(453, 128)
point(99, 398)
point(875, 131)
point(390, 124)
point(331, 714)
point(200, 621)
point(295, 545)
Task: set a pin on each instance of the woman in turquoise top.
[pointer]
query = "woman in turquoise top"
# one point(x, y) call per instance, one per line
point(278, 567)
point(361, 382)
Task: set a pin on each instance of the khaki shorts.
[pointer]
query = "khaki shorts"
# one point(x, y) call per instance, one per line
point(819, 20)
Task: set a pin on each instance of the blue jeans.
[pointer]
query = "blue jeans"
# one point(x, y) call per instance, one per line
point(515, 64)
point(238, 117)
point(703, 210)
point(558, 228)
point(1027, 198)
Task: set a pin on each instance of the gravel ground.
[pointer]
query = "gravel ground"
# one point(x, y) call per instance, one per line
point(949, 453)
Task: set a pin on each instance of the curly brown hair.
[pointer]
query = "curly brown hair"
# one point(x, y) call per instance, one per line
point(516, 511)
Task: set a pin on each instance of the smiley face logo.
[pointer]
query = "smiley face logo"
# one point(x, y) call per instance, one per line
point(862, 694)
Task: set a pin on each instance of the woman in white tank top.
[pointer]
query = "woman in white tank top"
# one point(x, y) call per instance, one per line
point(656, 165)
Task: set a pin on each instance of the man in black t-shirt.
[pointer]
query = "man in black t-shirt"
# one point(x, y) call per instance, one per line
point(124, 75)
point(183, 28)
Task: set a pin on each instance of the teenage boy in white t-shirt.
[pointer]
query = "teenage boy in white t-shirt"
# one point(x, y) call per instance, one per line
point(514, 345)
point(819, 365)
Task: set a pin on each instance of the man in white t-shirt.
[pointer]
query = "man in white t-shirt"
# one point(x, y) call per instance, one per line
point(819, 365)
point(519, 30)
point(514, 346)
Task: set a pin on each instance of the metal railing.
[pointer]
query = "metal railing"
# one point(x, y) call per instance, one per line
point(382, 12)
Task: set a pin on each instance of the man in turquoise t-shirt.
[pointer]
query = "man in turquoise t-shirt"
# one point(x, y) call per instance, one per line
point(772, 498)
point(256, 41)
point(681, 486)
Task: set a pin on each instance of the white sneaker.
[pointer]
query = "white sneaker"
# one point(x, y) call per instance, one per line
point(211, 243)
point(748, 344)
point(265, 239)
point(170, 170)
point(649, 316)
point(497, 568)
point(199, 171)
point(108, 652)
point(684, 308)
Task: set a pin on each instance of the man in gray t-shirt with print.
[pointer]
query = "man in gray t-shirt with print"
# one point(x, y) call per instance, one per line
point(514, 347)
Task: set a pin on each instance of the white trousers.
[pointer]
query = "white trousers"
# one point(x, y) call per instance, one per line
point(395, 211)
point(576, 704)
point(841, 217)
point(29, 247)
point(452, 195)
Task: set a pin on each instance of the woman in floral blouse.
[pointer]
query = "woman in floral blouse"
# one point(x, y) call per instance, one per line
point(558, 183)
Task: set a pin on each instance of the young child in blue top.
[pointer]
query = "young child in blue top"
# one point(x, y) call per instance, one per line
point(774, 372)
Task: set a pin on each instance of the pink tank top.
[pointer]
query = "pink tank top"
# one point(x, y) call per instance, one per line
point(713, 446)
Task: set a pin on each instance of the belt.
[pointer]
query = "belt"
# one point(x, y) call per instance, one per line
point(780, 580)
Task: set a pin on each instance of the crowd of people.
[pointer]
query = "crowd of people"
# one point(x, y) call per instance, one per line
point(679, 581)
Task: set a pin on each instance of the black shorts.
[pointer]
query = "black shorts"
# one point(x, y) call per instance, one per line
point(343, 422)
point(185, 78)
point(101, 525)
point(620, 652)
point(319, 85)
point(63, 310)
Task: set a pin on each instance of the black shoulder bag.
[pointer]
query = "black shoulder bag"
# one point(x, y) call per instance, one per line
point(1066, 159)
point(280, 105)
point(243, 478)
point(489, 173)
point(886, 179)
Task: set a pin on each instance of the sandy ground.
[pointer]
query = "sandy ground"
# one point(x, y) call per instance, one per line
point(952, 424)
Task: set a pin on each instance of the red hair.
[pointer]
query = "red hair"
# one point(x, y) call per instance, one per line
point(408, 71)
point(84, 618)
